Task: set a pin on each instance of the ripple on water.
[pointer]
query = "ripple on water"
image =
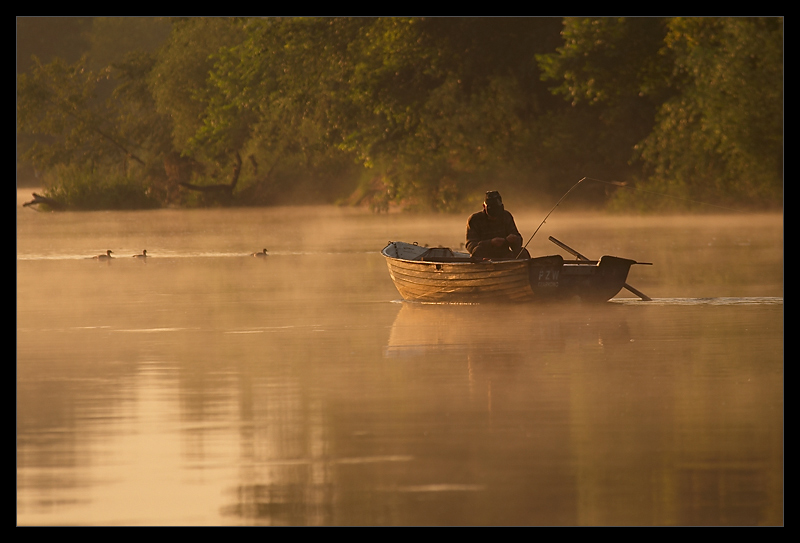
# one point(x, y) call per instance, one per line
point(756, 300)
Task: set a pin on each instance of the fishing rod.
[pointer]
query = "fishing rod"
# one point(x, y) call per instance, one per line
point(546, 216)
point(617, 184)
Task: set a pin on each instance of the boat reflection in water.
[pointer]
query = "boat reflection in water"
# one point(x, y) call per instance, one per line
point(423, 329)
point(589, 413)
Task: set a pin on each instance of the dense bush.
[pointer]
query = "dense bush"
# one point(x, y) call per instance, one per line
point(425, 113)
point(95, 190)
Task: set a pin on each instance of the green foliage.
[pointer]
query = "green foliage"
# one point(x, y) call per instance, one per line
point(419, 112)
point(58, 101)
point(134, 107)
point(613, 73)
point(77, 136)
point(721, 138)
point(401, 97)
point(81, 190)
point(608, 60)
point(179, 77)
point(702, 96)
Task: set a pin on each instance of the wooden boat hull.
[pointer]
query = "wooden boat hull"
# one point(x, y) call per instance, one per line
point(442, 275)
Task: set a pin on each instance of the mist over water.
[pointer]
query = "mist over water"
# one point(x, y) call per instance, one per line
point(203, 386)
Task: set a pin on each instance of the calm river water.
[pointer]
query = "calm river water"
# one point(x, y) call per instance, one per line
point(207, 387)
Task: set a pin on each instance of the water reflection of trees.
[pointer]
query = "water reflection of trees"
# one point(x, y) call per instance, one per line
point(646, 434)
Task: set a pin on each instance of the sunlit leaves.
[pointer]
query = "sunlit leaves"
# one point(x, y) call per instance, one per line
point(431, 107)
point(706, 91)
point(605, 60)
point(723, 135)
point(58, 101)
point(180, 78)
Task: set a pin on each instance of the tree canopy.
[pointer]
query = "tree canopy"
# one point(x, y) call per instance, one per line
point(426, 113)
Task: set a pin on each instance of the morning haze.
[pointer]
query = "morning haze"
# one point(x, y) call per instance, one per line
point(201, 385)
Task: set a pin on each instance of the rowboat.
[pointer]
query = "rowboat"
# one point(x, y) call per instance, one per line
point(439, 274)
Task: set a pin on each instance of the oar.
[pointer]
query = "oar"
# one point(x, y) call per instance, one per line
point(575, 253)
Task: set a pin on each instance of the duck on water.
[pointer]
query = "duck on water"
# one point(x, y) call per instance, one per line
point(262, 254)
point(105, 256)
point(143, 255)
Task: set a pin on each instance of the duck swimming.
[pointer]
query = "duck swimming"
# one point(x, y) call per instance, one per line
point(105, 256)
point(143, 255)
point(261, 254)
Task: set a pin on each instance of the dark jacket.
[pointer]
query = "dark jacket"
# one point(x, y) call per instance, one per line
point(481, 229)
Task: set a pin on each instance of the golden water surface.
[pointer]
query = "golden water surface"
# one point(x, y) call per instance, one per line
point(203, 386)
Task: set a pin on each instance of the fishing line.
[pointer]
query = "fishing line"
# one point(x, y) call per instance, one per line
point(625, 186)
point(546, 216)
point(616, 184)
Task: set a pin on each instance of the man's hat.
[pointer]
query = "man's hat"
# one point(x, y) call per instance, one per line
point(493, 203)
point(492, 198)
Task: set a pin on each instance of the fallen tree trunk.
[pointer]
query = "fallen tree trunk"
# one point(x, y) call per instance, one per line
point(226, 189)
point(44, 200)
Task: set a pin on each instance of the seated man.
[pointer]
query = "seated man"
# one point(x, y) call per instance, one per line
point(492, 233)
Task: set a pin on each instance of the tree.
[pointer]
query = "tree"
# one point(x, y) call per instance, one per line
point(721, 138)
point(427, 107)
point(59, 100)
point(448, 104)
point(269, 98)
point(92, 144)
point(613, 74)
point(180, 75)
point(698, 100)
point(422, 111)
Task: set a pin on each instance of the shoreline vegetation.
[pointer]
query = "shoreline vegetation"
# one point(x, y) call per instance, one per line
point(414, 114)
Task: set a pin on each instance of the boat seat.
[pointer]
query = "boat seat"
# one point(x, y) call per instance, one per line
point(447, 259)
point(436, 254)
